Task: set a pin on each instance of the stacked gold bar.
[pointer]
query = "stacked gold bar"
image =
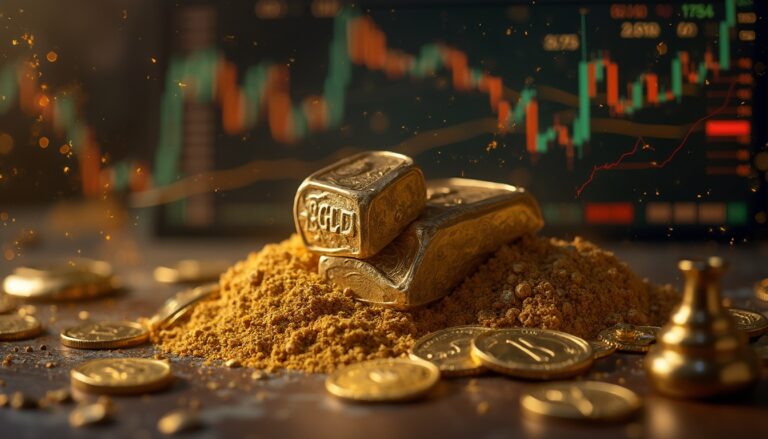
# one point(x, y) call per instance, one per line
point(396, 241)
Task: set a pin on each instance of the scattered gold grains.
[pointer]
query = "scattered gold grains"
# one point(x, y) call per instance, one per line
point(274, 311)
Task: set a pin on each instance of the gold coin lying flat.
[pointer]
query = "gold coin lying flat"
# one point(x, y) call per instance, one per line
point(16, 327)
point(104, 335)
point(84, 279)
point(178, 305)
point(532, 353)
point(450, 350)
point(393, 379)
point(752, 323)
point(601, 349)
point(761, 290)
point(121, 376)
point(589, 400)
point(630, 338)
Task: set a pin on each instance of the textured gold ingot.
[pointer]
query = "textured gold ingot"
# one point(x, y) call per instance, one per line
point(588, 400)
point(16, 327)
point(532, 353)
point(392, 379)
point(104, 335)
point(121, 376)
point(358, 205)
point(751, 323)
point(630, 338)
point(450, 350)
point(701, 353)
point(464, 222)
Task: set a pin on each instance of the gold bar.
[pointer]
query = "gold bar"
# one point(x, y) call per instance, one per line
point(358, 205)
point(463, 223)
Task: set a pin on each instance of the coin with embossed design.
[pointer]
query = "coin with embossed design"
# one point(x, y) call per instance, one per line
point(532, 353)
point(121, 376)
point(630, 338)
point(393, 379)
point(104, 335)
point(16, 327)
point(601, 349)
point(450, 350)
point(751, 323)
point(588, 400)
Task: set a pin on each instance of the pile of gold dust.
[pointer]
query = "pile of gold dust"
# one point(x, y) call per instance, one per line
point(450, 350)
point(752, 323)
point(122, 376)
point(532, 353)
point(104, 335)
point(17, 327)
point(387, 380)
point(582, 400)
point(630, 338)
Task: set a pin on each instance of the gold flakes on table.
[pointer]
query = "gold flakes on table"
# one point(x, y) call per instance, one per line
point(630, 338)
point(104, 335)
point(179, 304)
point(122, 376)
point(533, 353)
point(387, 380)
point(98, 412)
point(179, 421)
point(585, 400)
point(450, 350)
point(751, 323)
point(16, 327)
point(191, 271)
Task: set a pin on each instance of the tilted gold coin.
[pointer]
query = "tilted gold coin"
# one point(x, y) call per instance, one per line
point(178, 305)
point(121, 376)
point(450, 350)
point(761, 290)
point(630, 338)
point(589, 400)
point(752, 323)
point(601, 349)
point(393, 379)
point(104, 335)
point(16, 327)
point(532, 353)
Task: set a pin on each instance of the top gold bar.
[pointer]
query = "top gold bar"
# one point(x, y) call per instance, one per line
point(463, 223)
point(358, 205)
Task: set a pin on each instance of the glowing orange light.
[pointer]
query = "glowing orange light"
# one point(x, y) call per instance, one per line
point(51, 56)
point(43, 142)
point(44, 101)
point(64, 149)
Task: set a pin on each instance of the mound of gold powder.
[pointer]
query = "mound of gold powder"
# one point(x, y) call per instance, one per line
point(274, 311)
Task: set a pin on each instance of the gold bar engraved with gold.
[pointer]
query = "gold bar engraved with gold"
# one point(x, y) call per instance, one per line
point(358, 205)
point(463, 222)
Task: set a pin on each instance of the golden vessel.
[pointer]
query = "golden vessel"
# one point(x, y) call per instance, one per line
point(360, 204)
point(700, 353)
point(463, 222)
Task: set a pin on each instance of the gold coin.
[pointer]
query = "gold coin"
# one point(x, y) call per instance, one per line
point(752, 323)
point(589, 400)
point(630, 338)
point(16, 327)
point(191, 271)
point(393, 379)
point(121, 376)
point(450, 350)
point(104, 335)
point(532, 353)
point(178, 305)
point(601, 349)
point(84, 279)
point(761, 290)
point(6, 304)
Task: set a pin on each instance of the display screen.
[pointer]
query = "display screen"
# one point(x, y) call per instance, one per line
point(626, 119)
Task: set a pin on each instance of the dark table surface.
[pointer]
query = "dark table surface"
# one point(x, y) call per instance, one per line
point(296, 405)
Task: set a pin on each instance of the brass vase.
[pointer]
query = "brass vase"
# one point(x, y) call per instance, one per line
point(699, 352)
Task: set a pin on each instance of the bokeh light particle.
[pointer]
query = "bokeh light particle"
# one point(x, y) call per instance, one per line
point(51, 56)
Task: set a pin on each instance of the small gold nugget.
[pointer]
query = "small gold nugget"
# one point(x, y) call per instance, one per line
point(358, 205)
point(531, 353)
point(450, 350)
point(104, 335)
point(122, 376)
point(16, 327)
point(392, 379)
point(464, 221)
point(588, 400)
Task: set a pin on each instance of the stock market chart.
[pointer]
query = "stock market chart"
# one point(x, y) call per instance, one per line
point(645, 119)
